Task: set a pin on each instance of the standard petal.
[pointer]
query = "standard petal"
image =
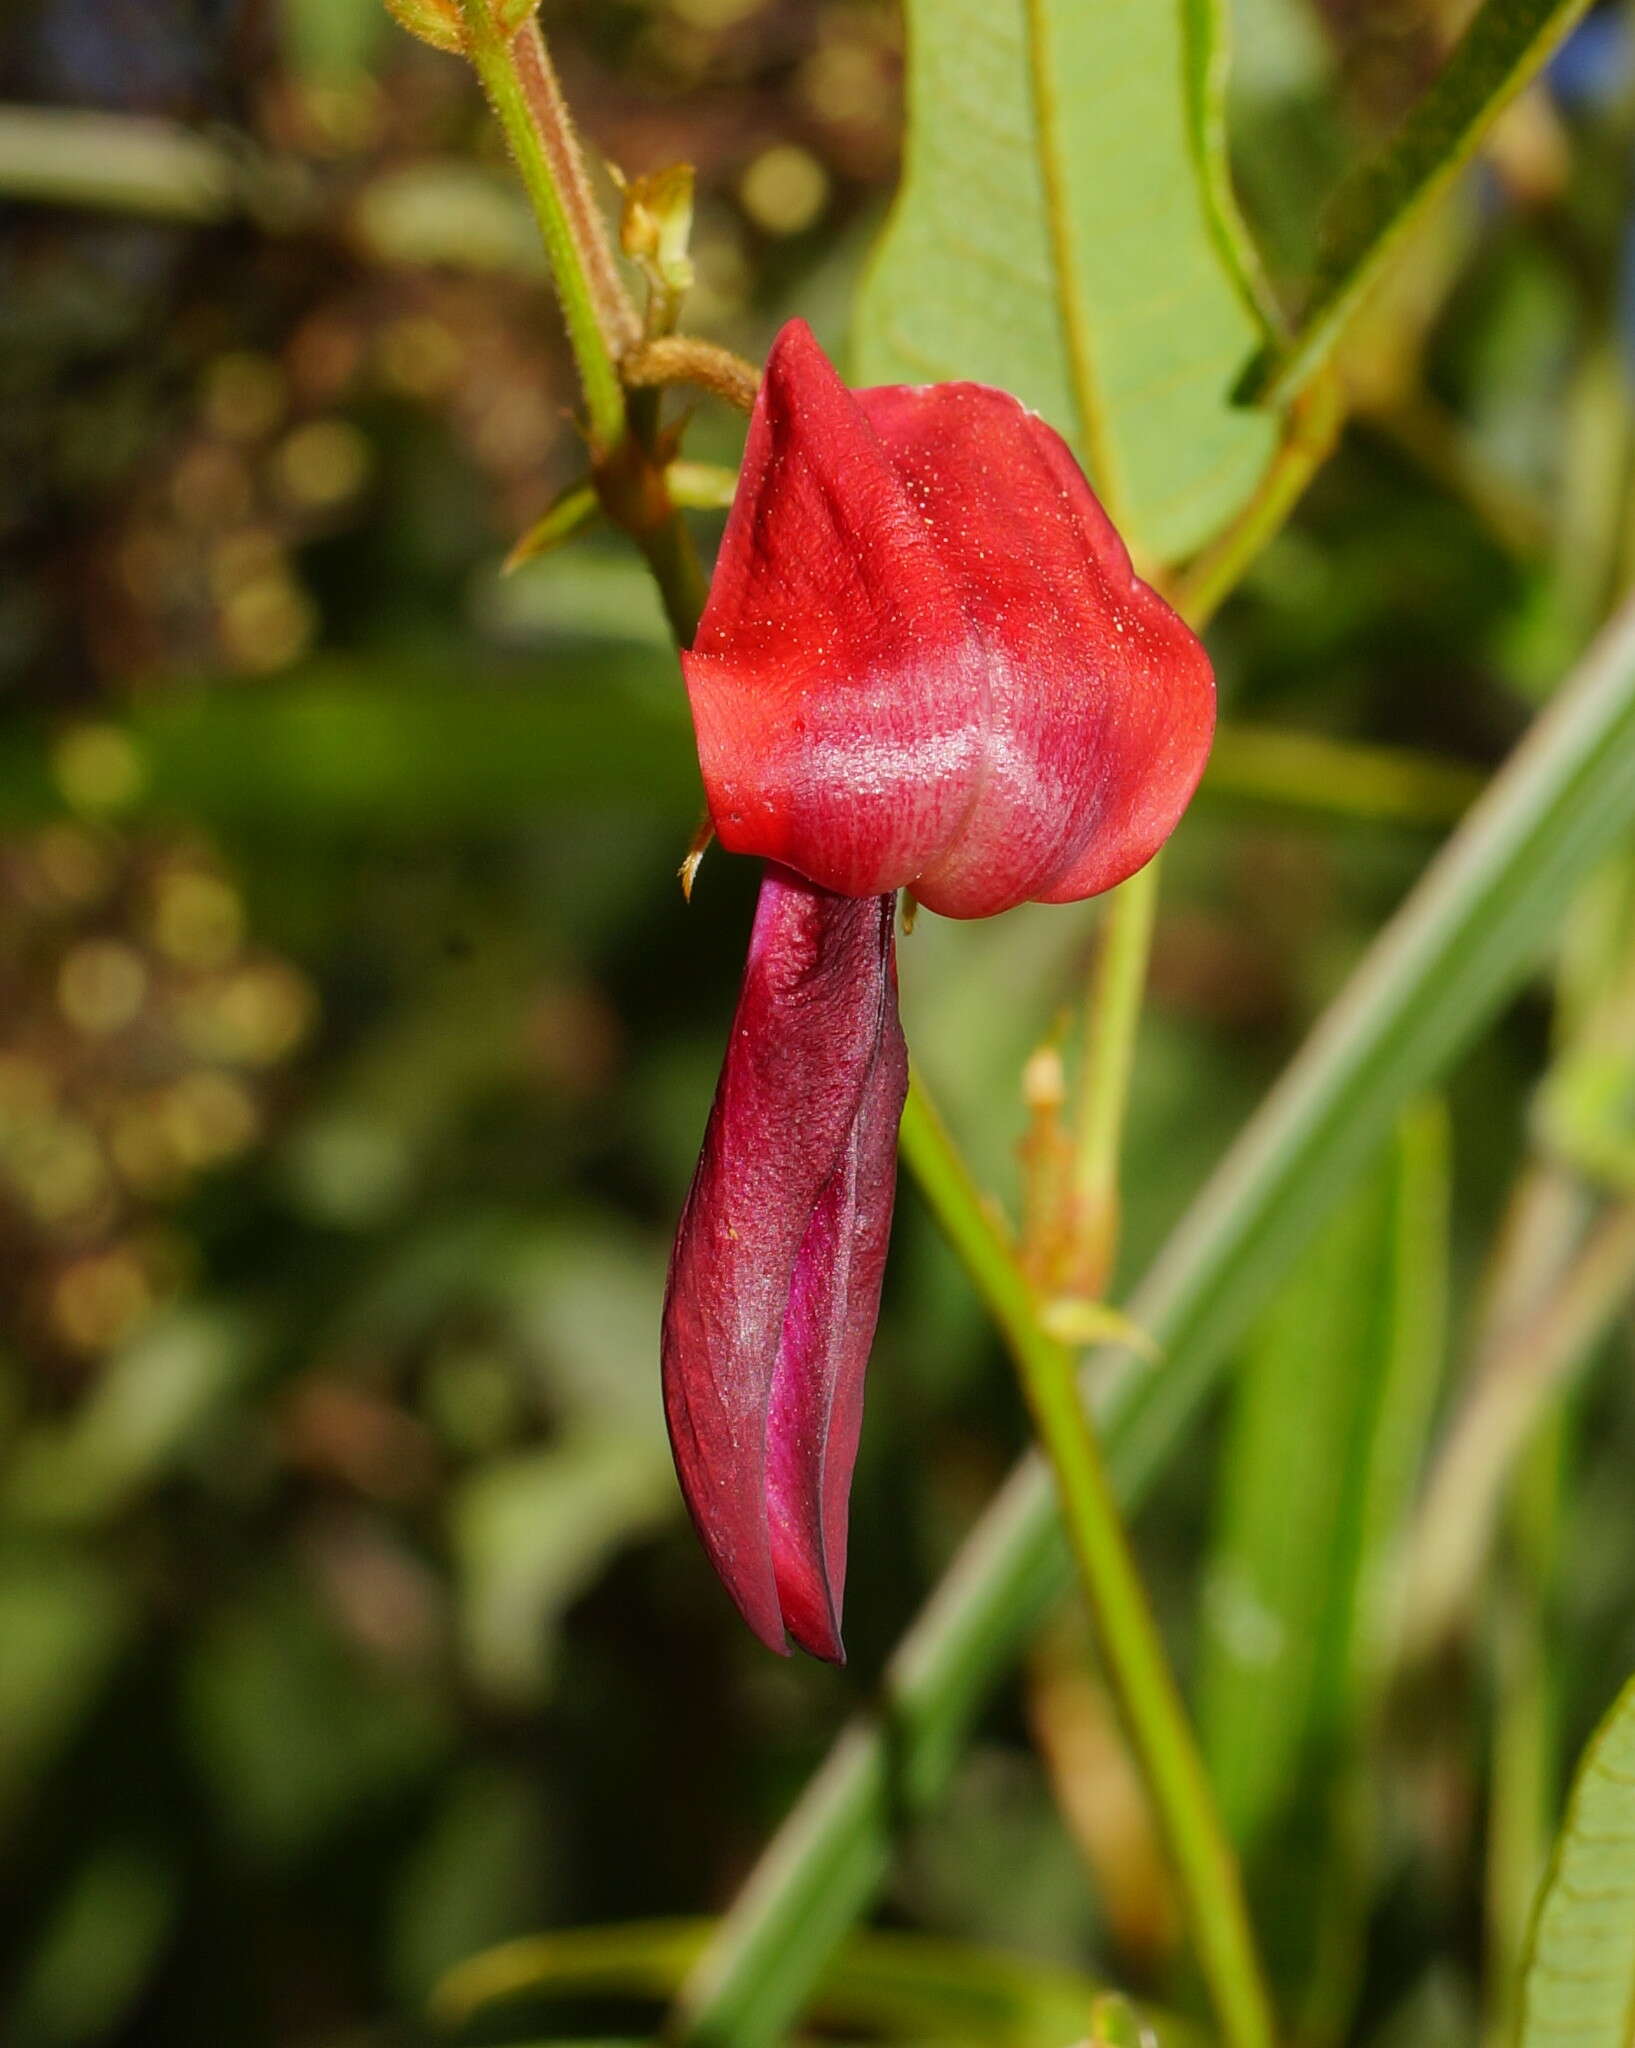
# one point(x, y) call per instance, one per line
point(839, 702)
point(775, 1278)
point(1100, 701)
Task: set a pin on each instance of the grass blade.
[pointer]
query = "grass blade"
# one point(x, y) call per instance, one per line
point(1380, 203)
point(1330, 1413)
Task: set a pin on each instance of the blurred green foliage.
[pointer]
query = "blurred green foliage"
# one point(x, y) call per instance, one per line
point(356, 1047)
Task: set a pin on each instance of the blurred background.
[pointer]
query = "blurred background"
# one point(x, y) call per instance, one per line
point(355, 1042)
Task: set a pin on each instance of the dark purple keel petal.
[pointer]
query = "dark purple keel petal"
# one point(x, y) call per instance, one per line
point(775, 1278)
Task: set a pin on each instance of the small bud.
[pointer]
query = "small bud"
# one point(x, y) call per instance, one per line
point(656, 227)
point(1044, 1083)
point(437, 22)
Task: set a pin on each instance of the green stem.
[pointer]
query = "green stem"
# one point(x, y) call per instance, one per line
point(672, 560)
point(1112, 1020)
point(1522, 1807)
point(521, 86)
point(1131, 1647)
point(1315, 421)
point(637, 498)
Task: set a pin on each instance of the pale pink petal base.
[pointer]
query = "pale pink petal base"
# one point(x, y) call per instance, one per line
point(775, 1279)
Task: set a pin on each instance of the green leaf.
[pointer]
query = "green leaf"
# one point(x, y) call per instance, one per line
point(897, 1985)
point(101, 1940)
point(1064, 230)
point(1377, 206)
point(129, 163)
point(64, 1619)
point(153, 1404)
point(532, 1532)
point(1462, 943)
point(1579, 1985)
point(1330, 1415)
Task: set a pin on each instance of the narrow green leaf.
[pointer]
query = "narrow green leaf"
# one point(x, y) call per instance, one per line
point(1463, 941)
point(1579, 1985)
point(899, 1986)
point(1206, 32)
point(1329, 1409)
point(129, 163)
point(1380, 203)
point(1330, 1414)
point(1065, 230)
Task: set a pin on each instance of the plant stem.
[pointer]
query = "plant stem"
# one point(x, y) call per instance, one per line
point(1130, 1645)
point(521, 86)
point(1315, 421)
point(683, 359)
point(1524, 1372)
point(1112, 1019)
point(636, 497)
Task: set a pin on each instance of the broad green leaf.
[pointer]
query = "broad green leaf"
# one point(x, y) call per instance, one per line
point(1064, 230)
point(1379, 204)
point(892, 1985)
point(1579, 1985)
point(1330, 1413)
point(1459, 946)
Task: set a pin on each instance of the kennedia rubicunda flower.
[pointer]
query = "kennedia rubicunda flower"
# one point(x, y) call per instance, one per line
point(925, 663)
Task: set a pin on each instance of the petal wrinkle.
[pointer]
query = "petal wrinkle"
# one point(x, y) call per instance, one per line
point(775, 1279)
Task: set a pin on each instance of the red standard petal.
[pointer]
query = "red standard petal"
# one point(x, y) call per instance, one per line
point(775, 1278)
point(841, 721)
point(926, 660)
point(1101, 701)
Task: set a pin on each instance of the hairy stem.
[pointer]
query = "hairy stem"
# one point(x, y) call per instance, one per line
point(521, 86)
point(683, 359)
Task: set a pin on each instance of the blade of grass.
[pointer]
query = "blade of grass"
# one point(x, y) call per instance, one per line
point(889, 1985)
point(1330, 1407)
point(1461, 943)
point(1379, 204)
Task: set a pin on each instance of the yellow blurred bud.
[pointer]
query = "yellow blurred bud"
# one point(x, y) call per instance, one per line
point(100, 1298)
point(437, 22)
point(785, 189)
point(657, 224)
point(101, 986)
point(197, 919)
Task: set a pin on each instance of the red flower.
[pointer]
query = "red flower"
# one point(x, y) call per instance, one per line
point(925, 662)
